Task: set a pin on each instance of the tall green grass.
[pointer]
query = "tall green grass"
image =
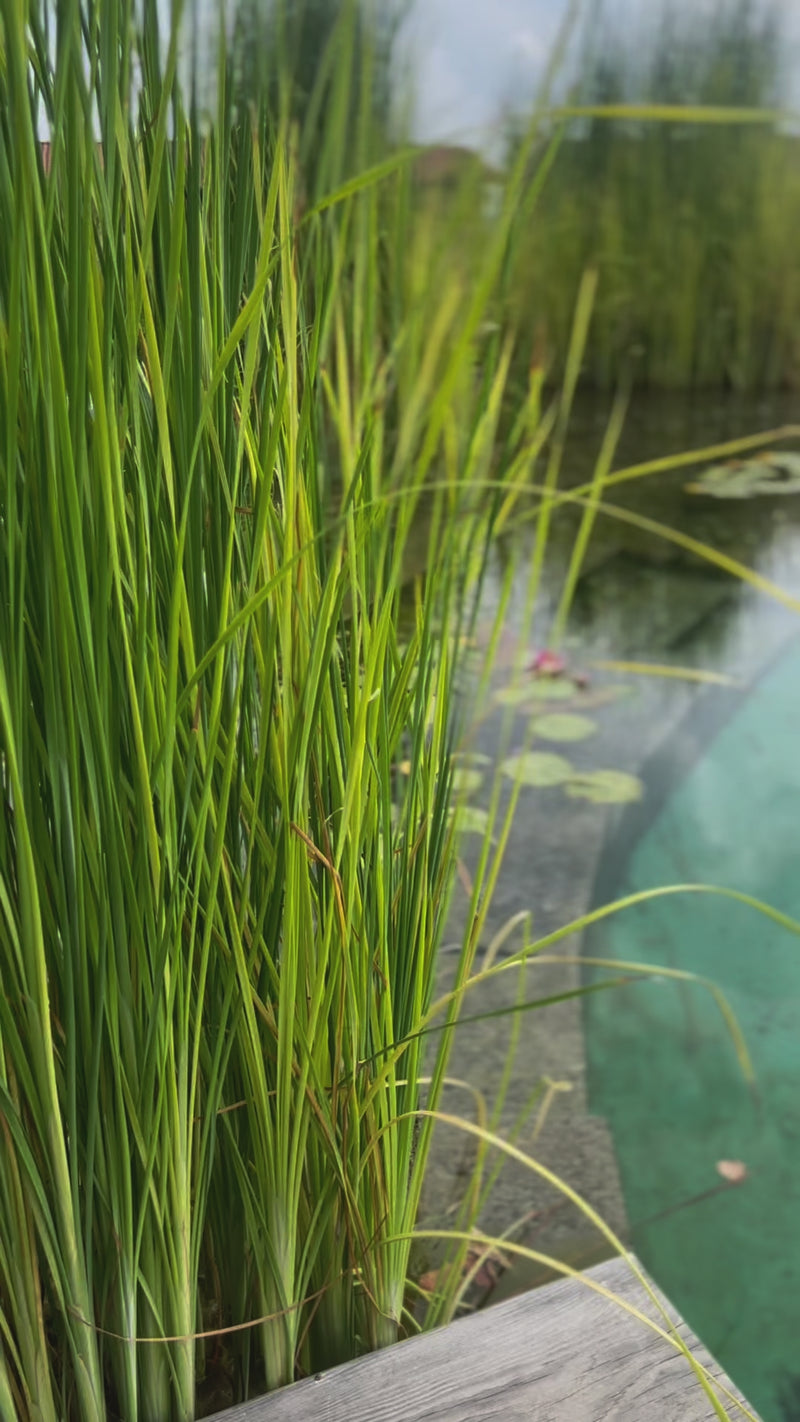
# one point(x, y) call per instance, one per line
point(690, 225)
point(224, 432)
point(249, 467)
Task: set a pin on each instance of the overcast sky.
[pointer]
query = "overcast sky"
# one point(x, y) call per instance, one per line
point(473, 60)
point(466, 59)
point(475, 57)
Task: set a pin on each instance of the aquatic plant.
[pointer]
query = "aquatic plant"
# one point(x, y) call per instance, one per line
point(227, 424)
point(226, 419)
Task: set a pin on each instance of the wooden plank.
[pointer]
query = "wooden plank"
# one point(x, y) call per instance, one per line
point(563, 1353)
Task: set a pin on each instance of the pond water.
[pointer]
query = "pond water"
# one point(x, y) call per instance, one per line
point(641, 599)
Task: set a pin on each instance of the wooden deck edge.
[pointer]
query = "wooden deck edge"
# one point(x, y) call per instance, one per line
point(562, 1353)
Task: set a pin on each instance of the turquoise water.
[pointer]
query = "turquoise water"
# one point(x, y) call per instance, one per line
point(662, 1067)
point(721, 804)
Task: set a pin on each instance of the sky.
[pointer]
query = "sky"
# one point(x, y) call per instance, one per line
point(476, 58)
point(471, 61)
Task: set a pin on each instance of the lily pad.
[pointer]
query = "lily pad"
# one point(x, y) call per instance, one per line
point(465, 779)
point(563, 727)
point(540, 689)
point(776, 472)
point(606, 787)
point(538, 768)
point(551, 688)
point(512, 695)
point(470, 819)
point(471, 758)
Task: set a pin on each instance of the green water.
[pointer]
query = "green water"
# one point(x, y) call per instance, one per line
point(661, 1063)
point(656, 1062)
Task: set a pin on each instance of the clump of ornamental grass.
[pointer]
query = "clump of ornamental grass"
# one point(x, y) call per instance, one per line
point(229, 417)
point(250, 461)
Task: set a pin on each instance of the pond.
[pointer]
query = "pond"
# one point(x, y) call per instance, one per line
point(648, 1114)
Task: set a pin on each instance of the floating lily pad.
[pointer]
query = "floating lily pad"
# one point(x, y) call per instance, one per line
point(606, 787)
point(538, 768)
point(470, 819)
point(466, 779)
point(540, 689)
point(561, 726)
point(471, 758)
point(777, 472)
point(512, 695)
point(551, 688)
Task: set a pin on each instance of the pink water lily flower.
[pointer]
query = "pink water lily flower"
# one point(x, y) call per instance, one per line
point(547, 663)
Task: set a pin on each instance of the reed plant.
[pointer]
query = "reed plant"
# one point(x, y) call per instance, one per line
point(251, 457)
point(229, 417)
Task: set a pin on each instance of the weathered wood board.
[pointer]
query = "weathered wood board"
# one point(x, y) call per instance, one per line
point(562, 1353)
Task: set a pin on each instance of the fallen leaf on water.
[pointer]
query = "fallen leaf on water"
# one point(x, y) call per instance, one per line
point(735, 1171)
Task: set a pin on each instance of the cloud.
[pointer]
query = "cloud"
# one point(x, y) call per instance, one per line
point(531, 45)
point(473, 59)
point(476, 59)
